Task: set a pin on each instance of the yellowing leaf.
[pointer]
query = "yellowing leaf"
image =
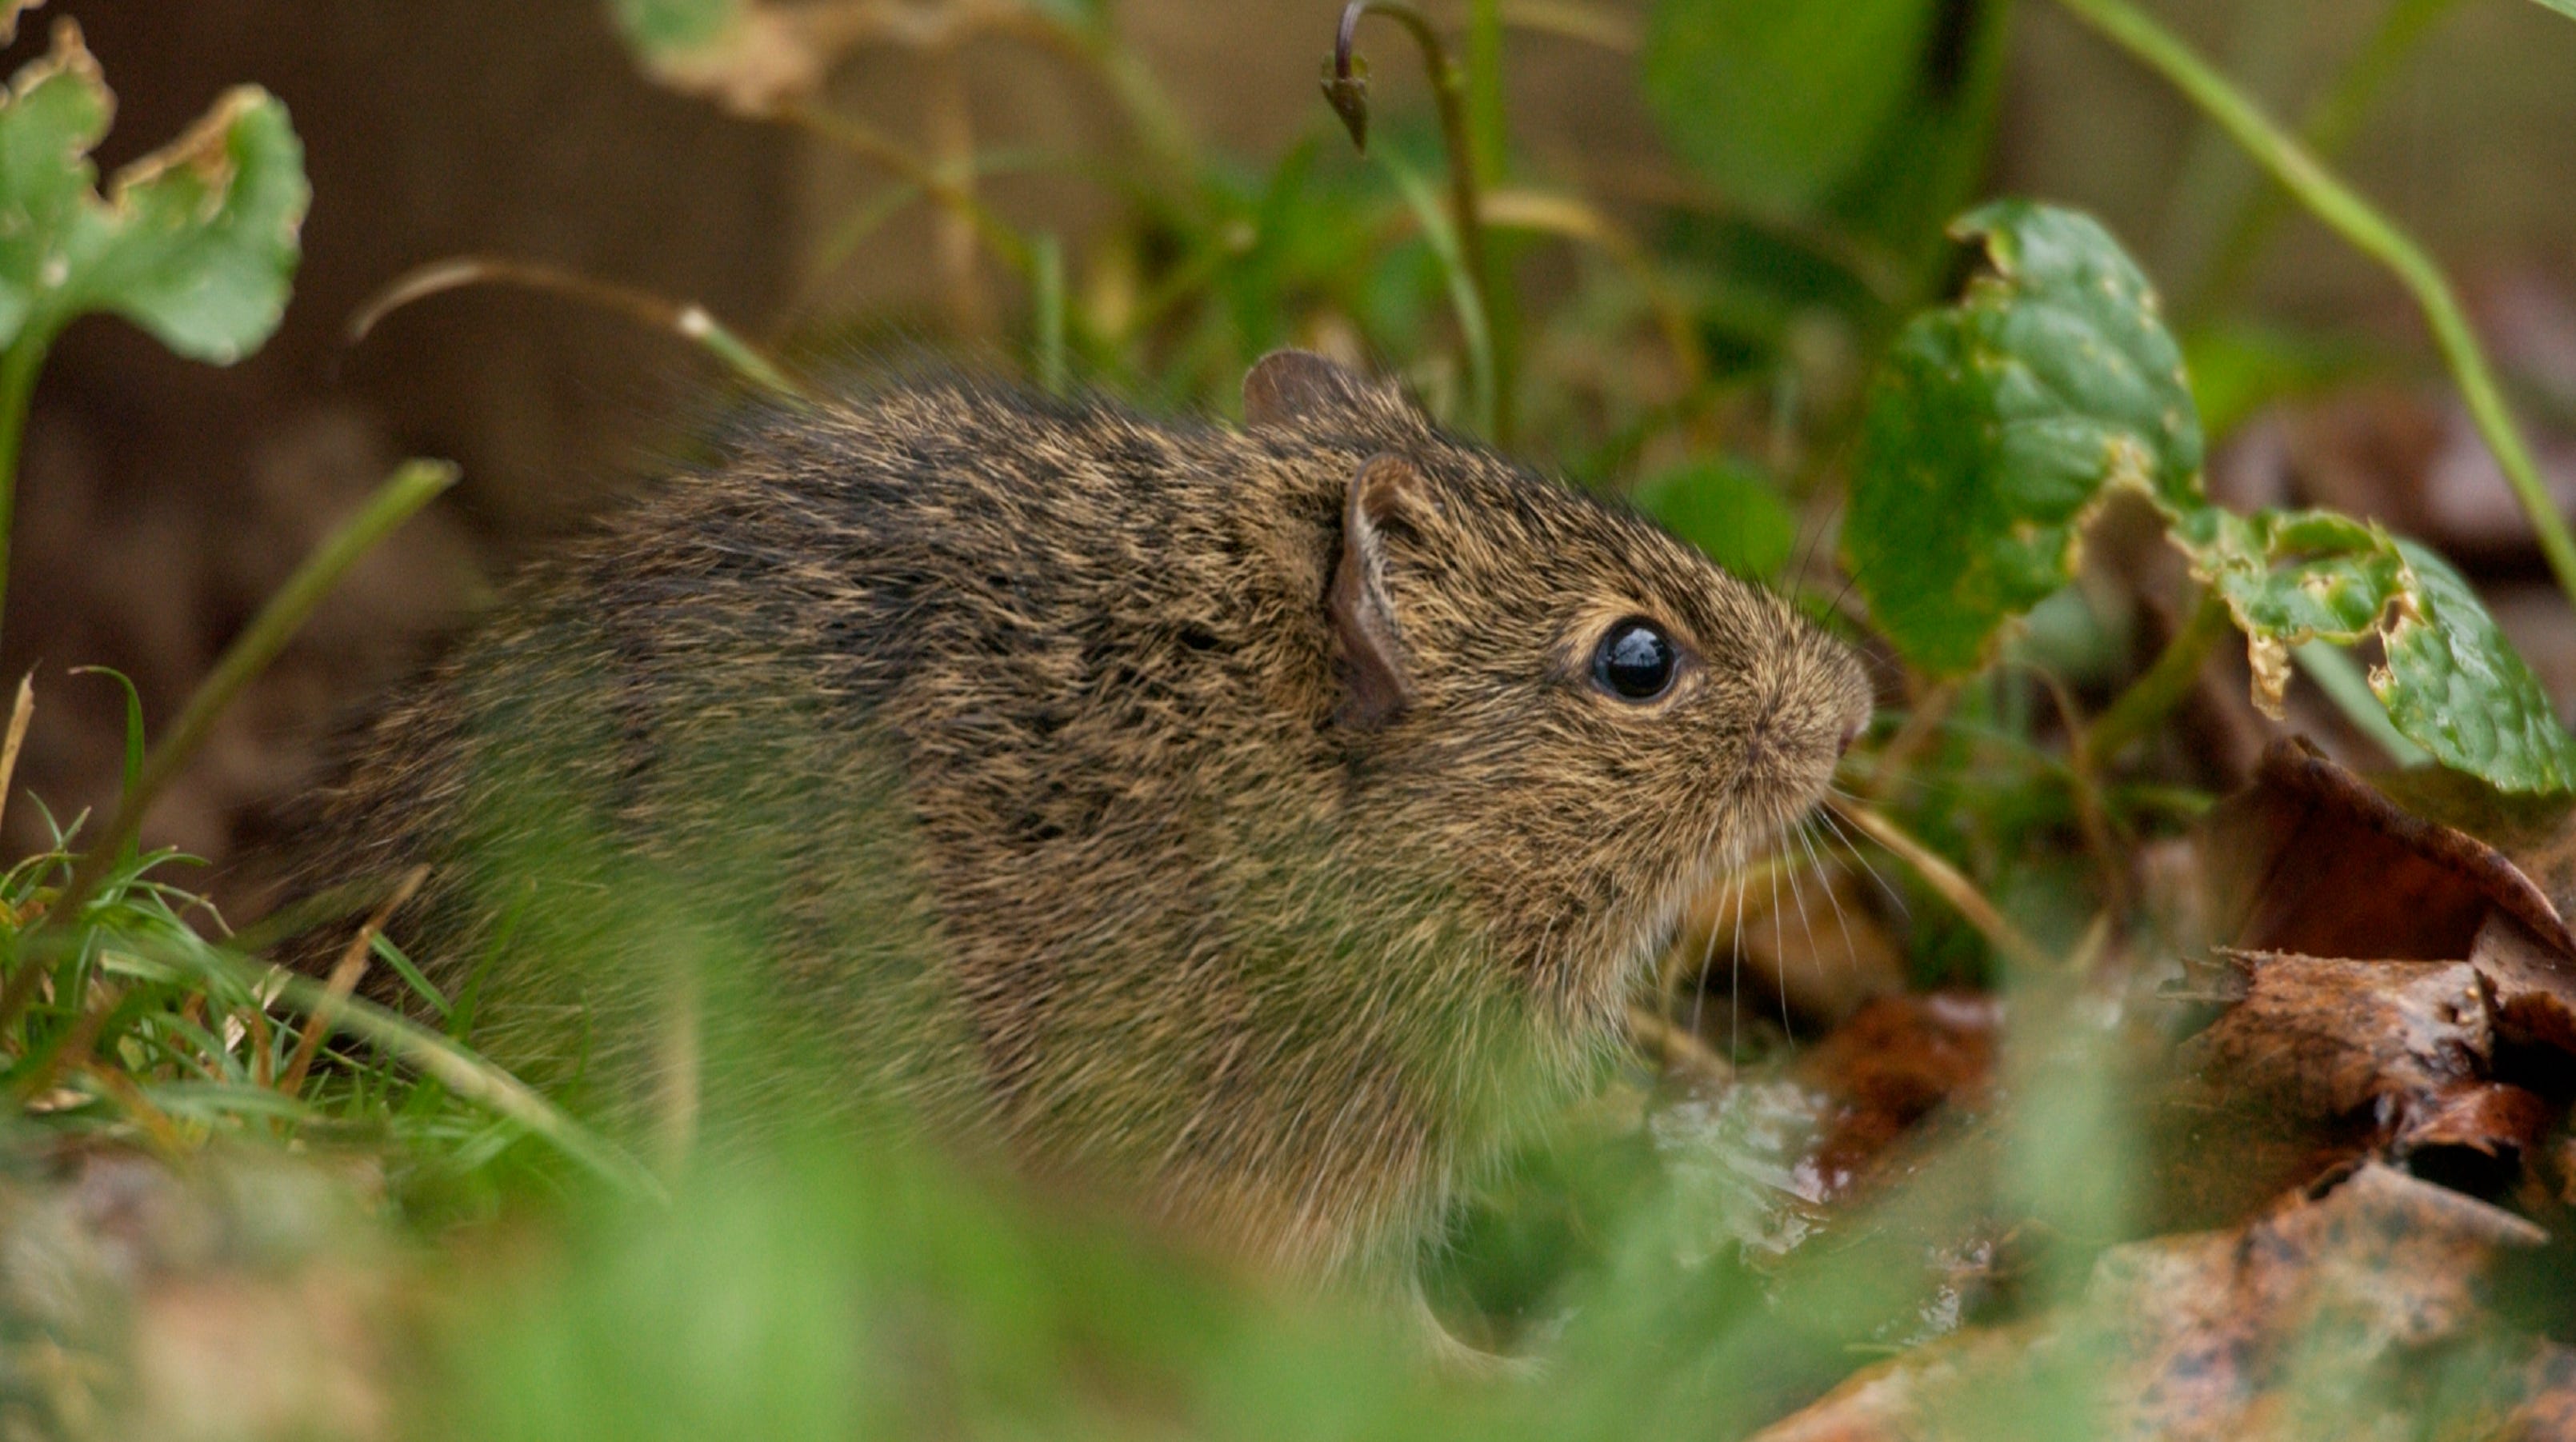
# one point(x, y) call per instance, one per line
point(195, 243)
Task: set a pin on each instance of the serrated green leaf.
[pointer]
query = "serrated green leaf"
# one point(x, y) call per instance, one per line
point(2296, 576)
point(2456, 687)
point(196, 243)
point(1995, 425)
point(2452, 683)
point(1777, 103)
point(1727, 509)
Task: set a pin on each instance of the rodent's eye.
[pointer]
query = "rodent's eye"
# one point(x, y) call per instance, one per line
point(1636, 661)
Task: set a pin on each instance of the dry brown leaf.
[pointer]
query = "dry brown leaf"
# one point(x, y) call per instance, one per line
point(2325, 1038)
point(2313, 859)
point(2311, 1321)
point(2492, 1119)
point(2534, 985)
point(1895, 1061)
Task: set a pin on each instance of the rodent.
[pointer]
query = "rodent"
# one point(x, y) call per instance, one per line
point(1258, 824)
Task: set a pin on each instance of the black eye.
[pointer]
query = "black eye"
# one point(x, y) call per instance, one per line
point(1636, 661)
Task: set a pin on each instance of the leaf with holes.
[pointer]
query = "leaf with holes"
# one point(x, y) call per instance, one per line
point(1997, 424)
point(195, 243)
point(2451, 682)
point(2457, 688)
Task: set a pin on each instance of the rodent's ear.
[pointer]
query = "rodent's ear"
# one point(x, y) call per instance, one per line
point(1289, 386)
point(1374, 690)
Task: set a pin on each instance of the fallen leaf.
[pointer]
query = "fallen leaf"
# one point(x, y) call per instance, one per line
point(2325, 1037)
point(2534, 985)
point(2313, 1320)
point(1895, 1061)
point(2313, 859)
point(2496, 1120)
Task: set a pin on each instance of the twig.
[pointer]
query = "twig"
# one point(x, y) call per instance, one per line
point(21, 711)
point(73, 1048)
point(950, 123)
point(2085, 783)
point(952, 190)
point(1608, 29)
point(155, 1122)
point(344, 980)
point(461, 1071)
point(2343, 209)
point(1944, 878)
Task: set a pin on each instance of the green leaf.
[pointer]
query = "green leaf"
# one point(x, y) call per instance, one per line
point(196, 242)
point(2563, 7)
point(2451, 683)
point(2296, 576)
point(1775, 102)
point(661, 28)
point(134, 744)
point(2456, 687)
point(1996, 424)
point(1727, 509)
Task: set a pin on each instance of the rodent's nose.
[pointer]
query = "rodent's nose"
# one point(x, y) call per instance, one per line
point(1852, 735)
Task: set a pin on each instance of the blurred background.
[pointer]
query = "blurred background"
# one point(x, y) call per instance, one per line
point(1186, 200)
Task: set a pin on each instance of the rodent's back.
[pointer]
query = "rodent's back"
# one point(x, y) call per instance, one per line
point(1214, 814)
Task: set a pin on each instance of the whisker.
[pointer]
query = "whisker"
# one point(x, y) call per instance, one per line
point(1807, 839)
point(1798, 894)
point(1735, 984)
point(1894, 897)
point(1708, 956)
point(1779, 959)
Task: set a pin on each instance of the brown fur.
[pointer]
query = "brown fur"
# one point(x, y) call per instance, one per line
point(1225, 818)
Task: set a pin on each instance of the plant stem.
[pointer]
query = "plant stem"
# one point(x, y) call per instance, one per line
point(18, 367)
point(690, 322)
point(2346, 685)
point(1047, 299)
point(2339, 206)
point(1347, 89)
point(1488, 128)
point(413, 485)
point(952, 191)
point(2141, 708)
point(449, 1064)
point(343, 981)
point(1485, 89)
point(1941, 876)
point(1464, 296)
point(2326, 129)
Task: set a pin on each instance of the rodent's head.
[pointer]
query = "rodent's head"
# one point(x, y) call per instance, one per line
point(1549, 697)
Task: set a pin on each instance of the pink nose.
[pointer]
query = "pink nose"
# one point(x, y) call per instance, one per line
point(1852, 735)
